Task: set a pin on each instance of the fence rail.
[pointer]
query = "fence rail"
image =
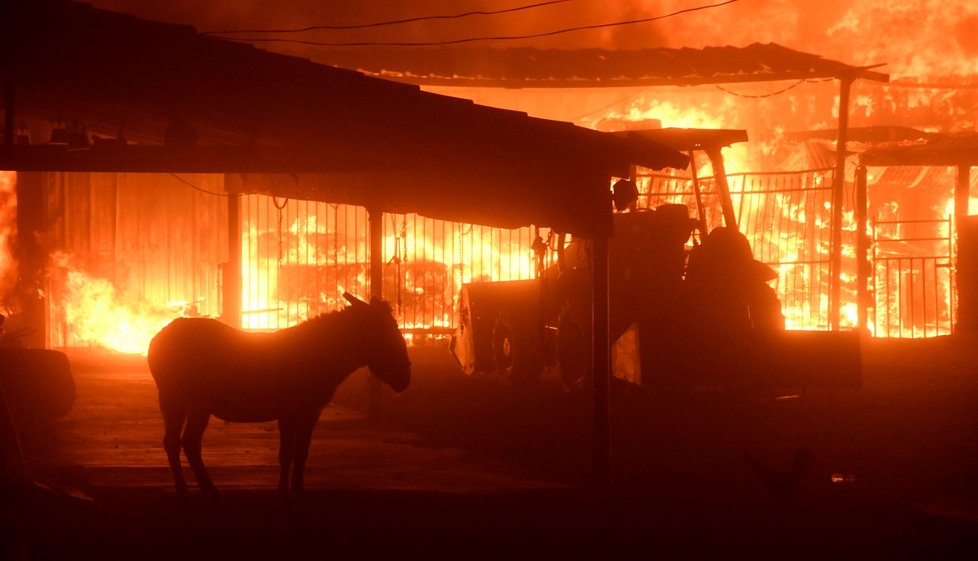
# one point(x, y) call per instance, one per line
point(913, 280)
point(300, 256)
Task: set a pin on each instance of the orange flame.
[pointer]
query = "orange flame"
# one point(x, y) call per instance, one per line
point(8, 222)
point(96, 314)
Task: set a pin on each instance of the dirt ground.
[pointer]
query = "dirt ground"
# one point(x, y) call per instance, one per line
point(479, 467)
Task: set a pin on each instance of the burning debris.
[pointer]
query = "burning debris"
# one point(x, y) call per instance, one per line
point(98, 315)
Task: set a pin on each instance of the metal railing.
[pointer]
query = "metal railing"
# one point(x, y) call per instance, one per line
point(300, 256)
point(913, 280)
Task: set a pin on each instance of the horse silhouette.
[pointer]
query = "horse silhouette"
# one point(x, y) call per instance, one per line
point(203, 367)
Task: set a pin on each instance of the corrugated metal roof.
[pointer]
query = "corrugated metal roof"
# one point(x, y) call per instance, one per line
point(942, 150)
point(437, 155)
point(539, 68)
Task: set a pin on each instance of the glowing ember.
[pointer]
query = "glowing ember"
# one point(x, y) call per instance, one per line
point(97, 315)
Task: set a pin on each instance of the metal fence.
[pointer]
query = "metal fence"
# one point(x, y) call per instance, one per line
point(298, 257)
point(912, 281)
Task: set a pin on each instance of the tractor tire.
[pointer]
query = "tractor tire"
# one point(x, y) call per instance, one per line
point(504, 348)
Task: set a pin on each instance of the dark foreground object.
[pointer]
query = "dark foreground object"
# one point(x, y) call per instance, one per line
point(37, 384)
point(149, 524)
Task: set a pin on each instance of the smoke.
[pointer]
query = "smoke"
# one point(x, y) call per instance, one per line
point(915, 37)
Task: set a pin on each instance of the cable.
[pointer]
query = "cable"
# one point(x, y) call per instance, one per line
point(624, 99)
point(386, 23)
point(781, 91)
point(192, 186)
point(474, 39)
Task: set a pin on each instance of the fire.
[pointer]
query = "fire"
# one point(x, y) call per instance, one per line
point(922, 38)
point(672, 113)
point(299, 262)
point(8, 225)
point(98, 315)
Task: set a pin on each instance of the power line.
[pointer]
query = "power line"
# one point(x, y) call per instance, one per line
point(192, 186)
point(758, 96)
point(391, 22)
point(474, 39)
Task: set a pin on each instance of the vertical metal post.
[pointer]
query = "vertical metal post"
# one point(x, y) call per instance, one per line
point(962, 200)
point(231, 289)
point(962, 193)
point(32, 255)
point(601, 443)
point(375, 217)
point(838, 196)
point(863, 270)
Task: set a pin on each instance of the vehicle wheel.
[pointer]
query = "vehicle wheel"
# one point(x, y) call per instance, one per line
point(503, 347)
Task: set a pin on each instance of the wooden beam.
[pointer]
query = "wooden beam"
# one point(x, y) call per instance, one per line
point(720, 172)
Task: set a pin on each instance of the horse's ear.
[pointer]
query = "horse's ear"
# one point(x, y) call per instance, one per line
point(353, 300)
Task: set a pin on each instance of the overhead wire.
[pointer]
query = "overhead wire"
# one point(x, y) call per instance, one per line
point(475, 39)
point(389, 22)
point(759, 96)
point(192, 186)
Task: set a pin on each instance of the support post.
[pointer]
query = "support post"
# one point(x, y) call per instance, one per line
point(720, 172)
point(962, 193)
point(700, 209)
point(32, 256)
point(863, 271)
point(231, 276)
point(838, 196)
point(375, 217)
point(601, 431)
point(967, 319)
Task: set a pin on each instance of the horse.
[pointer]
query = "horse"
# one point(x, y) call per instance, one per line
point(203, 367)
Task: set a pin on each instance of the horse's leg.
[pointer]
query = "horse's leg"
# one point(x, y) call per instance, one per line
point(303, 436)
point(286, 449)
point(173, 418)
point(193, 436)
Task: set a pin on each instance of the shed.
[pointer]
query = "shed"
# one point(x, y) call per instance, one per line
point(162, 98)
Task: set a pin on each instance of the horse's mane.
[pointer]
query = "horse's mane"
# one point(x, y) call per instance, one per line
point(335, 325)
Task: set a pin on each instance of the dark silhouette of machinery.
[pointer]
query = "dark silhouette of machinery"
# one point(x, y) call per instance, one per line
point(688, 303)
point(700, 314)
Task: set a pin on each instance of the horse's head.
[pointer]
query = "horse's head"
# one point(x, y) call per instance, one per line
point(389, 358)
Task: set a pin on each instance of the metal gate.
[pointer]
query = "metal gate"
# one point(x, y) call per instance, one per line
point(913, 280)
